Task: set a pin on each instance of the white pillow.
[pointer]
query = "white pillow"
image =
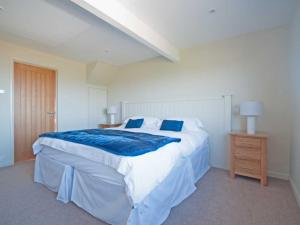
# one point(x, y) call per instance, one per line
point(149, 122)
point(189, 124)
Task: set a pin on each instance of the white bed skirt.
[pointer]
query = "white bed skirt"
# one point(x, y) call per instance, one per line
point(108, 200)
point(55, 175)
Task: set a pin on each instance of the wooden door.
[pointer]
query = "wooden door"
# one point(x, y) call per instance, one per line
point(34, 107)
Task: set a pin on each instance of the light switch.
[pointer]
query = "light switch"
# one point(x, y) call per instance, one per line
point(2, 91)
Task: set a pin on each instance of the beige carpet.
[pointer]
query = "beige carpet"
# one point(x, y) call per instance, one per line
point(218, 201)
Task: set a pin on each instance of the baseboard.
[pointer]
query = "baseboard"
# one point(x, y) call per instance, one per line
point(296, 191)
point(5, 163)
point(220, 167)
point(282, 176)
point(279, 175)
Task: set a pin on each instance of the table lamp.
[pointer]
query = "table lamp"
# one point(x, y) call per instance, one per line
point(111, 111)
point(251, 109)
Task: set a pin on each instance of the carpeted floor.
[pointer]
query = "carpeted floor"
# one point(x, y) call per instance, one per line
point(218, 201)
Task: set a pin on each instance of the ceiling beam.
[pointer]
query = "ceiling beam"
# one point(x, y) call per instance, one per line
point(118, 16)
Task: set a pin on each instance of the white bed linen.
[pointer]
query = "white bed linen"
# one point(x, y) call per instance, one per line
point(141, 173)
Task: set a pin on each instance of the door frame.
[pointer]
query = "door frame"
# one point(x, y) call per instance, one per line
point(12, 96)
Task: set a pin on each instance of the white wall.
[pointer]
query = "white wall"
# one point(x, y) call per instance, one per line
point(252, 66)
point(295, 106)
point(97, 106)
point(101, 73)
point(72, 92)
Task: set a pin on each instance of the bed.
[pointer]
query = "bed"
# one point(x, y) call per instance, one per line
point(121, 190)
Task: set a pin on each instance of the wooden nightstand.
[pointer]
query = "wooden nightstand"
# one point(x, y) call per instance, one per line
point(109, 125)
point(248, 155)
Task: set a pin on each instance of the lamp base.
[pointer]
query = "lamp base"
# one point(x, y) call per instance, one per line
point(112, 119)
point(251, 125)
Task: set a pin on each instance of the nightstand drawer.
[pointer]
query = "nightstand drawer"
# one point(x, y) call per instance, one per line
point(248, 167)
point(247, 142)
point(247, 153)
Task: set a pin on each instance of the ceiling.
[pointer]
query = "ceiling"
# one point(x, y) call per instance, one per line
point(60, 27)
point(186, 23)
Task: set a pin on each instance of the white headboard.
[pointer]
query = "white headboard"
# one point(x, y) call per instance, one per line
point(215, 113)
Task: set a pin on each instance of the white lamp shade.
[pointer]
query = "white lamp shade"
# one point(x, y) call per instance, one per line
point(251, 108)
point(112, 109)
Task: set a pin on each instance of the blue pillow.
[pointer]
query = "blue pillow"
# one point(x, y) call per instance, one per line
point(134, 123)
point(172, 125)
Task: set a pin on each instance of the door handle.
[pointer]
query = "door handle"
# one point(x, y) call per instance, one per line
point(51, 114)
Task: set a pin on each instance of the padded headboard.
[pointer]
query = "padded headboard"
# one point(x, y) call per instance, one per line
point(215, 113)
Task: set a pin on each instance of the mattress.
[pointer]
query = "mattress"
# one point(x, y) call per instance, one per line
point(99, 170)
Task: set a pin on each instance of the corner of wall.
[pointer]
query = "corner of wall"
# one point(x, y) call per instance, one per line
point(100, 73)
point(294, 79)
point(295, 190)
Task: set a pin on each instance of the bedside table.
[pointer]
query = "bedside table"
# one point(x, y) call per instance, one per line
point(109, 125)
point(248, 155)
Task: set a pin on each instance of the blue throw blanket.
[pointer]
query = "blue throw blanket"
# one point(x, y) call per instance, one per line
point(115, 141)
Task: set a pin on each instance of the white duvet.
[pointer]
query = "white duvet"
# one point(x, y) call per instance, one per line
point(141, 173)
